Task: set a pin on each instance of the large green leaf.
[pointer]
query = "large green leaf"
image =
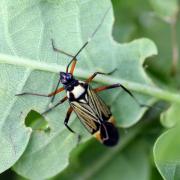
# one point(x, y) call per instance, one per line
point(127, 25)
point(126, 162)
point(26, 30)
point(167, 147)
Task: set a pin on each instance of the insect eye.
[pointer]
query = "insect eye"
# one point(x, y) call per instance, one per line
point(68, 76)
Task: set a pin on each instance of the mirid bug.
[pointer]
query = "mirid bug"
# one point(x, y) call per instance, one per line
point(94, 114)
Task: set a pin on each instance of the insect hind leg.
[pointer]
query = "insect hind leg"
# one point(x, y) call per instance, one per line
point(125, 89)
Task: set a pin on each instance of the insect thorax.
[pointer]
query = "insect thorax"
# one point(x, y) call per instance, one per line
point(77, 91)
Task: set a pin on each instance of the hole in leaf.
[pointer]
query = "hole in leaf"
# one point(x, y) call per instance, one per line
point(36, 121)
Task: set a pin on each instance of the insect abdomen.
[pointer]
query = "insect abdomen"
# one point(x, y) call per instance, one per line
point(107, 133)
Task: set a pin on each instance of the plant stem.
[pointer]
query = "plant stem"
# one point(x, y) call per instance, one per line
point(141, 88)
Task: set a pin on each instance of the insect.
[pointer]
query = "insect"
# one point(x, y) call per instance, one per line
point(84, 100)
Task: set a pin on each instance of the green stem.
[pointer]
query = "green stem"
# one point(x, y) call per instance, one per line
point(144, 89)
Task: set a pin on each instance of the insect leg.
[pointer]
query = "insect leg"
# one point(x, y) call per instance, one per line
point(44, 95)
point(124, 88)
point(67, 54)
point(60, 102)
point(59, 50)
point(70, 110)
point(72, 67)
point(67, 119)
point(96, 73)
point(56, 89)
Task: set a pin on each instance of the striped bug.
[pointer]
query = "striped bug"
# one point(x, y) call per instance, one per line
point(84, 100)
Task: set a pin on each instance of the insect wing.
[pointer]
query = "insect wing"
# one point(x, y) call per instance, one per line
point(91, 110)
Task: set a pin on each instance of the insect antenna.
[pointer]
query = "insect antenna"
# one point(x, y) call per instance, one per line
point(89, 39)
point(83, 46)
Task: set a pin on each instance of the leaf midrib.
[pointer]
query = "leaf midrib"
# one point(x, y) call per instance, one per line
point(56, 68)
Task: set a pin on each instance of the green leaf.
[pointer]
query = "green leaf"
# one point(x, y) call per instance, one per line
point(14, 136)
point(164, 8)
point(126, 25)
point(124, 161)
point(170, 118)
point(28, 63)
point(166, 149)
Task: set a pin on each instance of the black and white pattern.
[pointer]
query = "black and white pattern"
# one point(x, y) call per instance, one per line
point(89, 107)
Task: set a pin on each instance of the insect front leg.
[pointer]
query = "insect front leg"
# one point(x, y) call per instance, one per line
point(73, 61)
point(60, 102)
point(96, 73)
point(44, 95)
point(124, 88)
point(67, 119)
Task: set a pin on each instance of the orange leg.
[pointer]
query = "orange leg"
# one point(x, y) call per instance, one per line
point(44, 95)
point(96, 73)
point(102, 88)
point(73, 66)
point(56, 92)
point(99, 89)
point(73, 61)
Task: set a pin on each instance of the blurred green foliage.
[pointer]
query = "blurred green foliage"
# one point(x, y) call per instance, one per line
point(138, 18)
